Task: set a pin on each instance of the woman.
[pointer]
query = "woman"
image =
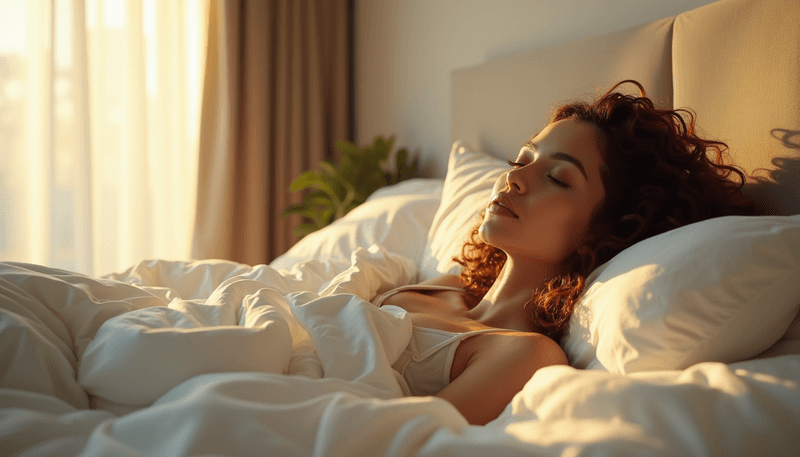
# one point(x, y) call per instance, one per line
point(598, 178)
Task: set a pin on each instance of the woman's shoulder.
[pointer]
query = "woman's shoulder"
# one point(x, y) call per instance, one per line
point(503, 365)
point(544, 348)
point(531, 349)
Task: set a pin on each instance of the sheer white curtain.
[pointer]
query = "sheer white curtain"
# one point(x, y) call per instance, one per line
point(99, 118)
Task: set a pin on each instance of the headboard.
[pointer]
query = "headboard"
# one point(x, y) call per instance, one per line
point(735, 63)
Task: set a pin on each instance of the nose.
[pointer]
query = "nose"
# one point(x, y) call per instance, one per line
point(515, 181)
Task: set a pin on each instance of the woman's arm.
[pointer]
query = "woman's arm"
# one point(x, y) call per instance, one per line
point(497, 372)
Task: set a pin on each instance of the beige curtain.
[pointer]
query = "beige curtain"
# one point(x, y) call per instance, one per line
point(99, 116)
point(276, 99)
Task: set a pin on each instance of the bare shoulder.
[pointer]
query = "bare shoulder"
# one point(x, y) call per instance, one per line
point(528, 351)
point(444, 280)
point(502, 365)
point(539, 349)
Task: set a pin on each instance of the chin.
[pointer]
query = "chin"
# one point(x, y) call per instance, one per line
point(485, 236)
point(482, 233)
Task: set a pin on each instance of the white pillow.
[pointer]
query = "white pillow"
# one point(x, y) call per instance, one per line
point(789, 344)
point(467, 188)
point(396, 217)
point(722, 290)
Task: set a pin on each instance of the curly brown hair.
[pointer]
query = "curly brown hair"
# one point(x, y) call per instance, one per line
point(657, 174)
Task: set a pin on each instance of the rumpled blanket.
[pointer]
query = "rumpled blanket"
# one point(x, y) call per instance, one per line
point(218, 358)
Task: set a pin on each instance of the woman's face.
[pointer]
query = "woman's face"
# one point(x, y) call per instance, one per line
point(542, 207)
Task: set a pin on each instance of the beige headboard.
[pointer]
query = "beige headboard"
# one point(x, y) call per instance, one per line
point(736, 63)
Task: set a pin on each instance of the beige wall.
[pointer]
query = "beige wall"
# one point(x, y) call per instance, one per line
point(406, 49)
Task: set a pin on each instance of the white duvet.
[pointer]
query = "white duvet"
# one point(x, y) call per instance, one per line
point(217, 358)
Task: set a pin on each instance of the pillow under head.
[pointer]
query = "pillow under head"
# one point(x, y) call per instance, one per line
point(467, 188)
point(722, 290)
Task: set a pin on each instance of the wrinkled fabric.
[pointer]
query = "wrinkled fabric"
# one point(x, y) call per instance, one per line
point(183, 358)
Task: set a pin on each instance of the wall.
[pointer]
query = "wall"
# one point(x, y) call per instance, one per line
point(406, 49)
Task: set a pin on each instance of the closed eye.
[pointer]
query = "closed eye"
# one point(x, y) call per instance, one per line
point(558, 182)
point(552, 178)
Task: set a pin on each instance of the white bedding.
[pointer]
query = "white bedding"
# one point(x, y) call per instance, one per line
point(196, 366)
point(217, 358)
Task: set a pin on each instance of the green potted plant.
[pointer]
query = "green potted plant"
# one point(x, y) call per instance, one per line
point(333, 190)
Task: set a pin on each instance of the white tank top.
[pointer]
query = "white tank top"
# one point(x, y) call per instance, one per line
point(427, 360)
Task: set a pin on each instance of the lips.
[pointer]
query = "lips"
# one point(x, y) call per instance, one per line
point(501, 205)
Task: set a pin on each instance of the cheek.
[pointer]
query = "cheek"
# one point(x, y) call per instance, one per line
point(499, 183)
point(565, 228)
point(578, 228)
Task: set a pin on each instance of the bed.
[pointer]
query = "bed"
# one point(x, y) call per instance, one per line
point(685, 344)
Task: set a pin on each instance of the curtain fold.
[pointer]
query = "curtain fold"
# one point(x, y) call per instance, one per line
point(99, 114)
point(277, 97)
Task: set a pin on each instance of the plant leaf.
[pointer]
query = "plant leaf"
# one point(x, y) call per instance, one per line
point(304, 181)
point(307, 211)
point(348, 169)
point(347, 148)
point(333, 190)
point(295, 209)
point(323, 216)
point(381, 148)
point(347, 202)
point(326, 184)
point(317, 198)
point(328, 168)
point(304, 229)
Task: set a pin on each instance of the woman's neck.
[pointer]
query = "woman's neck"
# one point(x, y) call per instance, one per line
point(503, 306)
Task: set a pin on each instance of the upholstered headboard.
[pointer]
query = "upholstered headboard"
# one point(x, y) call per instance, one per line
point(736, 63)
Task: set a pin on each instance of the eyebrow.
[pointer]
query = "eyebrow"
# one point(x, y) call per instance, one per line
point(561, 156)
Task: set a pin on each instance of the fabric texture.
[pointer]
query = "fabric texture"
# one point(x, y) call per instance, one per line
point(720, 290)
point(467, 188)
point(428, 360)
point(202, 334)
point(396, 217)
point(276, 99)
point(98, 131)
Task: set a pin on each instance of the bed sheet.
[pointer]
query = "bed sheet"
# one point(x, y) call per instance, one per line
point(186, 358)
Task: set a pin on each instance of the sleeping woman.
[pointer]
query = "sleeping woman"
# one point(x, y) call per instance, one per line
point(598, 178)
